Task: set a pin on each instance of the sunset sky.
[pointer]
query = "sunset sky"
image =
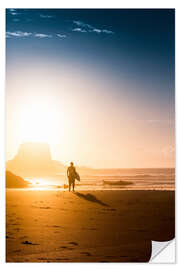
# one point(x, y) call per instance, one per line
point(97, 85)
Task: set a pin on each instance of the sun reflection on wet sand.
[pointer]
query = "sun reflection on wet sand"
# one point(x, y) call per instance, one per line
point(42, 184)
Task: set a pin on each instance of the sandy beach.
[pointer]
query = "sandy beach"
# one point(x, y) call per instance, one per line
point(86, 226)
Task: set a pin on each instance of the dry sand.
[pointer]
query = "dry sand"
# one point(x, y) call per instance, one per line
point(86, 226)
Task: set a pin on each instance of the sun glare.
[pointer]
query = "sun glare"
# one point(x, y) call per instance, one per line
point(40, 183)
point(39, 123)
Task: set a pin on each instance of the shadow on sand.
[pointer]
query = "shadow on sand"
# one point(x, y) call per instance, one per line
point(91, 198)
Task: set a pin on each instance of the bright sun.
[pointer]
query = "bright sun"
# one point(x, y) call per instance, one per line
point(39, 122)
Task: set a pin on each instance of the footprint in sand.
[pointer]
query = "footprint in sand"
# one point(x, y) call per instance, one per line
point(9, 237)
point(17, 250)
point(90, 229)
point(17, 229)
point(86, 253)
point(29, 243)
point(65, 247)
point(62, 259)
point(73, 243)
point(23, 237)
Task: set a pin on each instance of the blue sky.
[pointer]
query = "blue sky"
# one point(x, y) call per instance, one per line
point(130, 53)
point(135, 43)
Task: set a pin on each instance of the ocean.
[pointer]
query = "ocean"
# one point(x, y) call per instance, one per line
point(108, 179)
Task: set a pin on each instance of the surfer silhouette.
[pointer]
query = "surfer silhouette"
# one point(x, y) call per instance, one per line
point(72, 176)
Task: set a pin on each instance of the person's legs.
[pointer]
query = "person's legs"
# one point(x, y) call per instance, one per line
point(73, 184)
point(69, 185)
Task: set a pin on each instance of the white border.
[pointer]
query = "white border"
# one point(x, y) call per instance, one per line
point(89, 4)
point(2, 135)
point(69, 4)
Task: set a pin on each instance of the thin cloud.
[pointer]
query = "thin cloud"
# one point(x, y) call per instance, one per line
point(84, 28)
point(13, 11)
point(82, 24)
point(18, 34)
point(107, 31)
point(159, 121)
point(21, 34)
point(154, 121)
point(16, 20)
point(168, 151)
point(40, 35)
point(61, 35)
point(98, 31)
point(46, 16)
point(79, 30)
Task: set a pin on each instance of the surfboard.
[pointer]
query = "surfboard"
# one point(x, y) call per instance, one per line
point(77, 176)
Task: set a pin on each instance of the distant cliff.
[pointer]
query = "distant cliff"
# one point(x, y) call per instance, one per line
point(34, 159)
point(13, 181)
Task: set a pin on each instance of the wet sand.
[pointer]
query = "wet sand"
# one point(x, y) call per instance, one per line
point(86, 226)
